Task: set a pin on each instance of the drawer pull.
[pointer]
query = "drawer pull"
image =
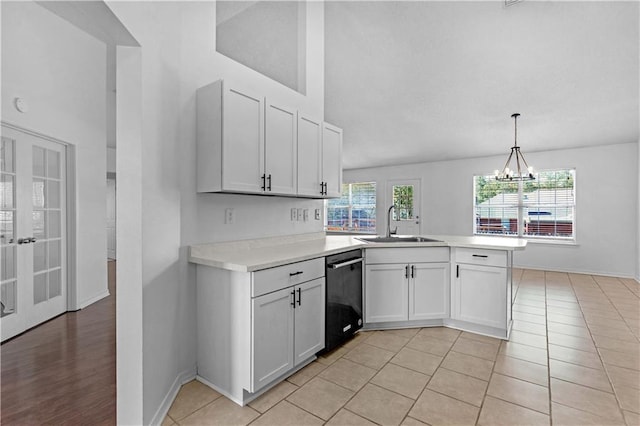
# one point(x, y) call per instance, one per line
point(480, 255)
point(293, 274)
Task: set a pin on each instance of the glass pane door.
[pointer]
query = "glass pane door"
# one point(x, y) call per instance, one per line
point(33, 231)
point(8, 274)
point(404, 195)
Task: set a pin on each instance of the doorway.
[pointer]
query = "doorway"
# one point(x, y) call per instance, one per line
point(33, 237)
point(405, 196)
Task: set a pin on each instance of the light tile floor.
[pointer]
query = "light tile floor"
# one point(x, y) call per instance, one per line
point(573, 359)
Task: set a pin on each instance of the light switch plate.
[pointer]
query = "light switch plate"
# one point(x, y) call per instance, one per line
point(294, 214)
point(299, 214)
point(317, 214)
point(305, 215)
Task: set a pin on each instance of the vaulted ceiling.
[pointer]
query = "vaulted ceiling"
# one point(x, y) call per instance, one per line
point(414, 81)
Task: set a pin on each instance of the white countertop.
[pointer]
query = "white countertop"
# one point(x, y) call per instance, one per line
point(253, 255)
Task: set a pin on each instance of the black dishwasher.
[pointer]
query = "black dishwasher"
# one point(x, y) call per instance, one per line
point(344, 297)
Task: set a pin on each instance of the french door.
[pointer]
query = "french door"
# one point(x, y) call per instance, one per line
point(33, 273)
point(405, 196)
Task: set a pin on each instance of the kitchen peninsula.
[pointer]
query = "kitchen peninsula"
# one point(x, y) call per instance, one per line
point(252, 335)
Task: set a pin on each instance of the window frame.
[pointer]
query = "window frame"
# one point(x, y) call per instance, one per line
point(521, 206)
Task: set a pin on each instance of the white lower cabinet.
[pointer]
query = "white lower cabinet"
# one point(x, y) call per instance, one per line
point(309, 320)
point(481, 290)
point(288, 329)
point(408, 291)
point(429, 291)
point(479, 293)
point(273, 327)
point(256, 328)
point(386, 293)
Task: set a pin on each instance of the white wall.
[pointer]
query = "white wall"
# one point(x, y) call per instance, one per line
point(606, 211)
point(60, 71)
point(111, 160)
point(178, 55)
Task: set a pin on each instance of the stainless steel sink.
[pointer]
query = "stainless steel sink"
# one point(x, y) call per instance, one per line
point(400, 239)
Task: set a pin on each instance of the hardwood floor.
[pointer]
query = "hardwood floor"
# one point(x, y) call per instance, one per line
point(63, 371)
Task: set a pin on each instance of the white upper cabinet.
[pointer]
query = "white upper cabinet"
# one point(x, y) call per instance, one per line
point(309, 157)
point(230, 131)
point(332, 160)
point(250, 144)
point(281, 159)
point(319, 159)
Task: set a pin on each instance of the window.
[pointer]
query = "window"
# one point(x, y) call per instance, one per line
point(540, 209)
point(355, 210)
point(403, 202)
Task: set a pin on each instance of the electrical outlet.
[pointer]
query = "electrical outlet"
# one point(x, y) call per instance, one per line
point(299, 214)
point(229, 216)
point(317, 214)
point(305, 215)
point(294, 214)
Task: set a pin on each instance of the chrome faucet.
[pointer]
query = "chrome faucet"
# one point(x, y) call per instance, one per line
point(389, 232)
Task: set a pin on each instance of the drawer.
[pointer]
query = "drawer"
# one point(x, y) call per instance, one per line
point(481, 257)
point(272, 279)
point(406, 255)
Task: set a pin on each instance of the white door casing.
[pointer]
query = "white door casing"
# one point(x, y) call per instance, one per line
point(34, 244)
point(111, 218)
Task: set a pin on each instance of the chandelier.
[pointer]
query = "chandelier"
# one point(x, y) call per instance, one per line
point(523, 171)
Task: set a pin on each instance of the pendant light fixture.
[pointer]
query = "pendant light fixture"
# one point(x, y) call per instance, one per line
point(520, 173)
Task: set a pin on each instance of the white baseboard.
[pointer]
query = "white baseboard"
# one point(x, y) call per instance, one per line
point(163, 410)
point(573, 271)
point(93, 299)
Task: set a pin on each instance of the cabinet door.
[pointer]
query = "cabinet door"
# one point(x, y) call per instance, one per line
point(309, 319)
point(242, 141)
point(281, 160)
point(429, 291)
point(309, 156)
point(332, 160)
point(386, 293)
point(272, 332)
point(479, 295)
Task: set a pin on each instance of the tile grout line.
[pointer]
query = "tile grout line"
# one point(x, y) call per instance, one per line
point(615, 394)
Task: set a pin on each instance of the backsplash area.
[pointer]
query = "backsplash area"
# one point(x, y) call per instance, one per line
point(229, 217)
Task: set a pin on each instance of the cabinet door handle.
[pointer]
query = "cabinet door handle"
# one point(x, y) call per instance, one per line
point(264, 182)
point(413, 271)
point(325, 188)
point(269, 180)
point(406, 271)
point(457, 271)
point(299, 296)
point(480, 255)
point(293, 274)
point(293, 298)
point(321, 188)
